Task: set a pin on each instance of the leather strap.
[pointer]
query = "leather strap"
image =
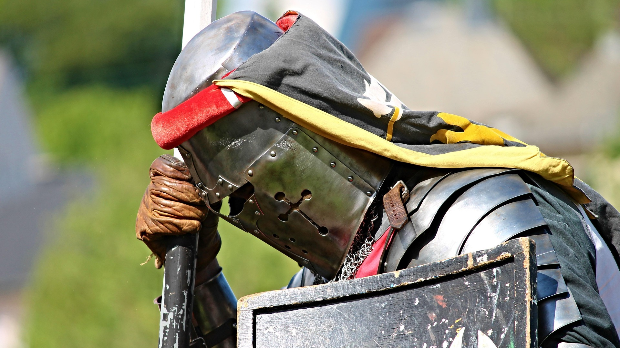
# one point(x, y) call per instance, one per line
point(394, 206)
point(220, 333)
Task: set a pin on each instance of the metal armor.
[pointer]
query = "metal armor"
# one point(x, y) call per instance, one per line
point(468, 210)
point(216, 50)
point(215, 312)
point(477, 209)
point(307, 196)
point(299, 192)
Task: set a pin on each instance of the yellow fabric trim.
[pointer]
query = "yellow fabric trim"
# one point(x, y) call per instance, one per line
point(390, 128)
point(472, 133)
point(527, 158)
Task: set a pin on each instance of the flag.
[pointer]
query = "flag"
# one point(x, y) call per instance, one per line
point(311, 78)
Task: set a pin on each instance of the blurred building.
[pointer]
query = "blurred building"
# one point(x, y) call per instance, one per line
point(30, 192)
point(459, 58)
point(327, 13)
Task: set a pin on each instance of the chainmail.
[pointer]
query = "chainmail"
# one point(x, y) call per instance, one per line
point(354, 260)
point(360, 248)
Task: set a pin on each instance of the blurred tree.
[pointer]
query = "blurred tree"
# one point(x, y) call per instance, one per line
point(117, 42)
point(88, 288)
point(558, 33)
point(96, 72)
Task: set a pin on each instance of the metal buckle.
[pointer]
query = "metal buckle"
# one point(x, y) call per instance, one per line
point(404, 190)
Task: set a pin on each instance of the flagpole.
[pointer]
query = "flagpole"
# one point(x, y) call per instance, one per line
point(175, 325)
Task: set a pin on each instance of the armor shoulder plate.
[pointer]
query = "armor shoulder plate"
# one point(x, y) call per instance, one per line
point(463, 211)
point(478, 209)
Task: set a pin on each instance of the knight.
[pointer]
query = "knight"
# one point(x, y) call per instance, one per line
point(322, 162)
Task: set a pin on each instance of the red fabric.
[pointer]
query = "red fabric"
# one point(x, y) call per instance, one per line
point(287, 20)
point(175, 126)
point(371, 264)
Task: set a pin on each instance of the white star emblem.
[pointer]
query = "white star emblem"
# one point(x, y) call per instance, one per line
point(376, 99)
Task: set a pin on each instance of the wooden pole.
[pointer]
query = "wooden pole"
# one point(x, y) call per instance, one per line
point(175, 325)
point(198, 14)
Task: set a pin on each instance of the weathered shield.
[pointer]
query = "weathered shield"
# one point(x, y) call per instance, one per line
point(481, 299)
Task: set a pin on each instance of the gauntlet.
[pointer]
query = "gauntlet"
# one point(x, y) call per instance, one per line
point(172, 206)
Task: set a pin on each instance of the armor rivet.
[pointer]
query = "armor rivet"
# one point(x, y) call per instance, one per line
point(294, 132)
point(350, 178)
point(257, 212)
point(220, 181)
point(332, 164)
point(385, 264)
point(256, 231)
point(250, 201)
point(278, 119)
point(217, 194)
point(272, 154)
point(261, 106)
point(315, 149)
point(234, 325)
point(230, 187)
point(368, 193)
point(200, 185)
point(250, 172)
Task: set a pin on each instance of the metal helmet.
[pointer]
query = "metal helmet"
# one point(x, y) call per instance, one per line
point(299, 192)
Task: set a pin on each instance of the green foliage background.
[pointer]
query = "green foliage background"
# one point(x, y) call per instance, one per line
point(95, 72)
point(558, 33)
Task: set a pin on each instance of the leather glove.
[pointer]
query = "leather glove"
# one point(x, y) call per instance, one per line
point(171, 205)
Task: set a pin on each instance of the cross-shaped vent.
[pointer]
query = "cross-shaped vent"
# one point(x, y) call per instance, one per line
point(306, 195)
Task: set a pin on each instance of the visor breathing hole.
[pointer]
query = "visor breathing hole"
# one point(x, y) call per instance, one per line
point(288, 247)
point(279, 196)
point(275, 236)
point(292, 240)
point(304, 251)
point(306, 195)
point(283, 217)
point(323, 231)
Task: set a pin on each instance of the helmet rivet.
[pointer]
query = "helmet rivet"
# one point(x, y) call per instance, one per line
point(272, 154)
point(257, 212)
point(250, 172)
point(350, 178)
point(278, 119)
point(230, 187)
point(315, 149)
point(332, 164)
point(217, 194)
point(294, 132)
point(220, 181)
point(368, 193)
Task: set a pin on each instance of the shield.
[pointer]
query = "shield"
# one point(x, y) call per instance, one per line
point(480, 299)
